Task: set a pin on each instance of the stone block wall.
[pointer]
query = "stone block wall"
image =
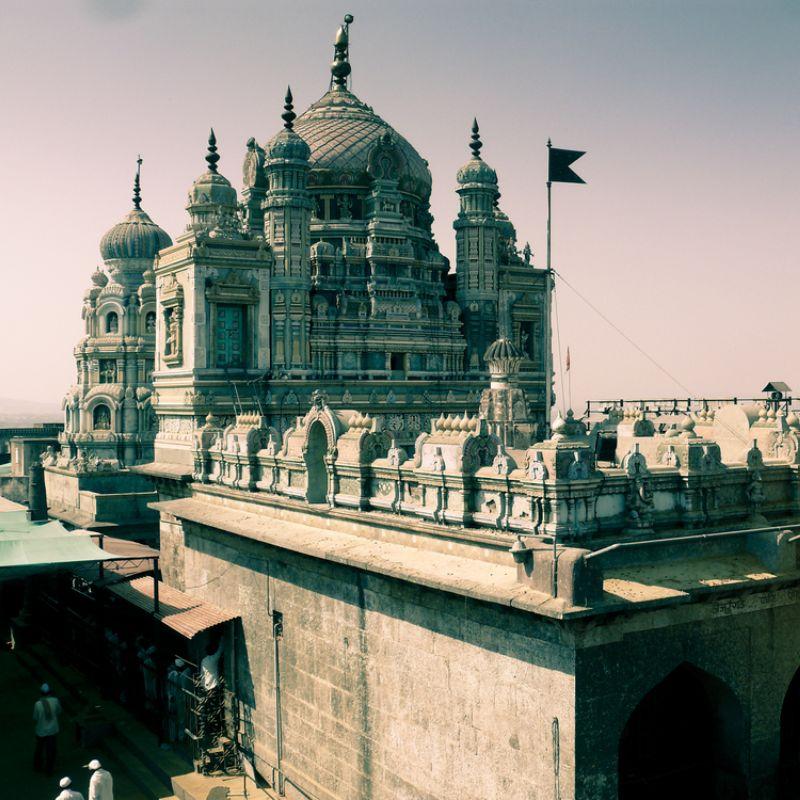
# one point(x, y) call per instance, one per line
point(389, 690)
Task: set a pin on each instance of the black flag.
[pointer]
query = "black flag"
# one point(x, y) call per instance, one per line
point(558, 168)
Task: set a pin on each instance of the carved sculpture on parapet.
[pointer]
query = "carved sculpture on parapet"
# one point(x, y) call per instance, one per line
point(755, 485)
point(640, 499)
point(504, 405)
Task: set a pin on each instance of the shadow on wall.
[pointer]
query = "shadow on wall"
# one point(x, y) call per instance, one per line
point(687, 739)
point(316, 471)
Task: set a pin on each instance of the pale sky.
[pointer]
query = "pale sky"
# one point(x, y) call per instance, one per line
point(685, 236)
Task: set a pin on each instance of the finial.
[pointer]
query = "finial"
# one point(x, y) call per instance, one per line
point(476, 143)
point(212, 156)
point(137, 189)
point(288, 115)
point(340, 68)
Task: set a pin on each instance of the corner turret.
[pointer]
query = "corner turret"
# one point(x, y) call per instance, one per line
point(477, 243)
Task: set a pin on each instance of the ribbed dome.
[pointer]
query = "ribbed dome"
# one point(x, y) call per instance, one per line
point(137, 236)
point(502, 348)
point(342, 131)
point(477, 171)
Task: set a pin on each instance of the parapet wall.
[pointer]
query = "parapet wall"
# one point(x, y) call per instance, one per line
point(741, 472)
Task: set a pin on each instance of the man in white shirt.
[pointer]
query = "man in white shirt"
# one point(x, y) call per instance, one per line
point(101, 784)
point(66, 793)
point(209, 668)
point(211, 722)
point(45, 718)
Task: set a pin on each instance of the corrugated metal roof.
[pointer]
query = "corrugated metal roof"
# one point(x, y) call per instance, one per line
point(28, 547)
point(185, 614)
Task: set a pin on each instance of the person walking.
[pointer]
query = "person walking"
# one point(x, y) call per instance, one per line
point(46, 711)
point(101, 784)
point(66, 793)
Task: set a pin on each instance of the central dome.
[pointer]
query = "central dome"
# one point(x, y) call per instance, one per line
point(342, 132)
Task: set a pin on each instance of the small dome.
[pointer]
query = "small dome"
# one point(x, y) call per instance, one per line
point(289, 146)
point(476, 170)
point(137, 236)
point(99, 278)
point(211, 188)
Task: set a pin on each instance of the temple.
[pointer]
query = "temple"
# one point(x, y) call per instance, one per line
point(436, 592)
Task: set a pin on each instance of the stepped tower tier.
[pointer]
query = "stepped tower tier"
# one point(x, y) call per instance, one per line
point(376, 287)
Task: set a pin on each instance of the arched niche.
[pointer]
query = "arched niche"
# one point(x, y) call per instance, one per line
point(316, 468)
point(149, 320)
point(111, 323)
point(685, 739)
point(102, 419)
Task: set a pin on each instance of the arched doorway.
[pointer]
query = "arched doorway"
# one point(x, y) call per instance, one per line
point(685, 739)
point(316, 470)
point(789, 765)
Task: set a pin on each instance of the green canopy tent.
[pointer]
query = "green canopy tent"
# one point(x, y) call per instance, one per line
point(30, 548)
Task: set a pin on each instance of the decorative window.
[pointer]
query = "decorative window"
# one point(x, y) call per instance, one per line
point(108, 370)
point(101, 417)
point(230, 336)
point(112, 322)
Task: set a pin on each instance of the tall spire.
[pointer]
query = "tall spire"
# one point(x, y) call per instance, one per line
point(340, 68)
point(212, 156)
point(288, 115)
point(137, 189)
point(476, 143)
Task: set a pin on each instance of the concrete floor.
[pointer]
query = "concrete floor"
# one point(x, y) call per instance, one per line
point(141, 771)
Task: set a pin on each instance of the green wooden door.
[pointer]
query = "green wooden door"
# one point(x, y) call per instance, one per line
point(230, 341)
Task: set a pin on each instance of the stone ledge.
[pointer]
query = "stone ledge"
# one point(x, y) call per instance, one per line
point(468, 577)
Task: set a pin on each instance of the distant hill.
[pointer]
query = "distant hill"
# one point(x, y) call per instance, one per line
point(15, 412)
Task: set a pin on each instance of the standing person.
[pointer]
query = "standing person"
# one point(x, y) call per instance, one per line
point(209, 667)
point(150, 675)
point(174, 699)
point(66, 793)
point(211, 695)
point(101, 784)
point(45, 718)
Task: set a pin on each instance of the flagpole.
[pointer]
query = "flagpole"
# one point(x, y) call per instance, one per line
point(549, 204)
point(548, 389)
